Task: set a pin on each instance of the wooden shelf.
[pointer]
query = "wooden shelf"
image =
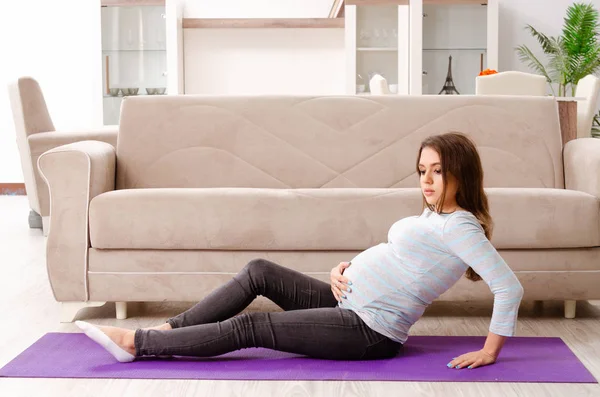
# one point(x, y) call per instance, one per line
point(261, 23)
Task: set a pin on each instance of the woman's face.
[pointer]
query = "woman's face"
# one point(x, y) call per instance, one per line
point(432, 183)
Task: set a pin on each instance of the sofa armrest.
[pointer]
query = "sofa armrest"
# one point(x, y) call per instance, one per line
point(44, 141)
point(582, 164)
point(75, 174)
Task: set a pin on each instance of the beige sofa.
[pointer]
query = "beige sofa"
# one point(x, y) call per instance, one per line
point(35, 134)
point(198, 186)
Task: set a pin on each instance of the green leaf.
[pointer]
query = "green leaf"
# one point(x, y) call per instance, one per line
point(541, 38)
point(580, 29)
point(587, 64)
point(558, 62)
point(571, 56)
point(526, 56)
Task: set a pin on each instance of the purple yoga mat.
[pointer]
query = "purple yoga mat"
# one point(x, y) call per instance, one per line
point(423, 358)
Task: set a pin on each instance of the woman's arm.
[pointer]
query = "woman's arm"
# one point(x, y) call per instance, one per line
point(493, 344)
point(466, 239)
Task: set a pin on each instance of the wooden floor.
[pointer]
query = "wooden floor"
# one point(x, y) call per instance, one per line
point(29, 310)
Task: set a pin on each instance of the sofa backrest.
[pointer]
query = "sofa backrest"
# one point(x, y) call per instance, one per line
point(329, 142)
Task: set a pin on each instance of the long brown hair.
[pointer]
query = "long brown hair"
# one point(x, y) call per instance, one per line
point(459, 157)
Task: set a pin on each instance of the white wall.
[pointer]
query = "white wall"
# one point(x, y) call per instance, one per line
point(256, 8)
point(263, 61)
point(257, 61)
point(58, 43)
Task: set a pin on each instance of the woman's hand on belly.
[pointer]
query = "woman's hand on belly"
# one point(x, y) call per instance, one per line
point(339, 283)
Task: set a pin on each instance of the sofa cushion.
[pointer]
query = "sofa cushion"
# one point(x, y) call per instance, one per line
point(321, 219)
point(303, 142)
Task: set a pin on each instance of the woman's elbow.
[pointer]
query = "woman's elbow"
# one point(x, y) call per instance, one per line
point(512, 293)
point(518, 291)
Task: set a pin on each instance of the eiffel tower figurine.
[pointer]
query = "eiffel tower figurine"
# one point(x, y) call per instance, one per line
point(449, 88)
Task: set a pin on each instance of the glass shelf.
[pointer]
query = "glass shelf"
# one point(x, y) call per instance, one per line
point(134, 53)
point(121, 96)
point(376, 40)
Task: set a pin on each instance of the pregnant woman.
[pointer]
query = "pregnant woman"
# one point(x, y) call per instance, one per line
point(373, 300)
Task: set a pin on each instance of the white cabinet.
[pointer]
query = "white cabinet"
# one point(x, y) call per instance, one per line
point(377, 42)
point(410, 43)
point(461, 31)
point(134, 55)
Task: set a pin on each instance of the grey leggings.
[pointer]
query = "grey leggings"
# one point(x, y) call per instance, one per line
point(312, 323)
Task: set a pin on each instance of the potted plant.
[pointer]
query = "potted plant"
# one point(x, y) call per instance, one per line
point(572, 55)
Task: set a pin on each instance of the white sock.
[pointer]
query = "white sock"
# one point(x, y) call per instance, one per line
point(103, 340)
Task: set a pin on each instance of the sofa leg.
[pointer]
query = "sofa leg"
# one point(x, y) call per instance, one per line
point(121, 310)
point(35, 220)
point(45, 225)
point(68, 310)
point(570, 306)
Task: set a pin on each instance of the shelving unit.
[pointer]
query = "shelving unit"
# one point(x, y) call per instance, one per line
point(376, 41)
point(465, 30)
point(410, 43)
point(134, 51)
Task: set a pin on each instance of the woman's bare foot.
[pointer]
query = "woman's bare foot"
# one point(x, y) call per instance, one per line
point(124, 338)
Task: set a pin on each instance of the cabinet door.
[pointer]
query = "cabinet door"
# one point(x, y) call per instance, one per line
point(457, 40)
point(377, 43)
point(154, 28)
point(134, 60)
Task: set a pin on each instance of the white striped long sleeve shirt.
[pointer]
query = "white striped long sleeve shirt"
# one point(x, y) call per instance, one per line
point(394, 282)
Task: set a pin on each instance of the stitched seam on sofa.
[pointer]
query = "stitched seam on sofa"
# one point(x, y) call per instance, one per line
point(418, 129)
point(216, 149)
point(305, 113)
point(398, 141)
point(271, 134)
point(268, 133)
point(525, 162)
point(50, 206)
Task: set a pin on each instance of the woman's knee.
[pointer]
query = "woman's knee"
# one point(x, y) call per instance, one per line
point(258, 267)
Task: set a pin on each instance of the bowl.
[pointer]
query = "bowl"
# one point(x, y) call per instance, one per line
point(129, 91)
point(114, 91)
point(151, 91)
